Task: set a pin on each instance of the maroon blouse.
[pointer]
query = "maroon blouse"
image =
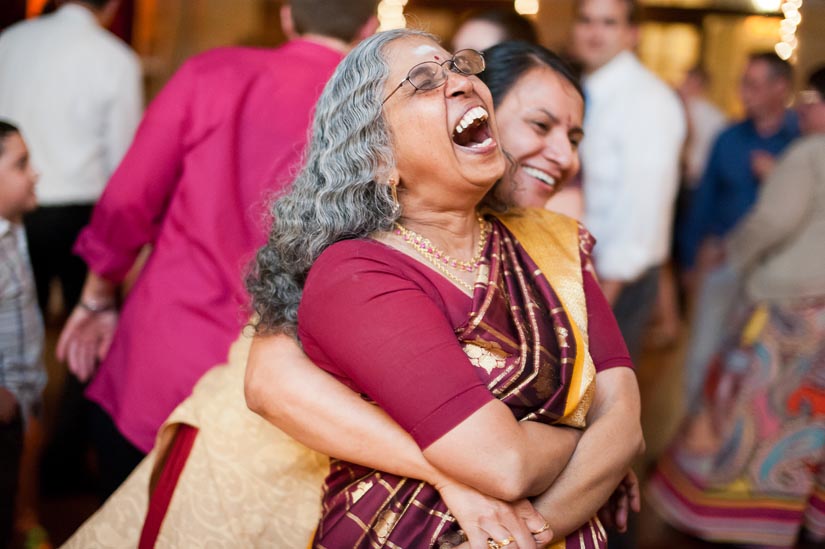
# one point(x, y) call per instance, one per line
point(407, 315)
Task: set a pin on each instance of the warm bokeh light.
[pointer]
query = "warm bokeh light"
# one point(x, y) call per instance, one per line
point(391, 14)
point(786, 47)
point(34, 7)
point(527, 7)
point(766, 6)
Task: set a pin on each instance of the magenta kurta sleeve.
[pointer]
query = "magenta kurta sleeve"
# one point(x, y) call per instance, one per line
point(226, 132)
point(134, 202)
point(370, 318)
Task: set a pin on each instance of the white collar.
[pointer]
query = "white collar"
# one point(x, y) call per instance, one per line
point(611, 73)
point(77, 12)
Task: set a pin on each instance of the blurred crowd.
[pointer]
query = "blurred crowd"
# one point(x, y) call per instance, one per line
point(147, 219)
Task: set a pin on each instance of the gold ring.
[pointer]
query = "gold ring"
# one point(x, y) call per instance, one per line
point(544, 528)
point(493, 544)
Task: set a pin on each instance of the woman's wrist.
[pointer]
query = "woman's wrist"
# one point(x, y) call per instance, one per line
point(97, 306)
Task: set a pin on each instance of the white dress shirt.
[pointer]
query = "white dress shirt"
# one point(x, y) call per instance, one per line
point(634, 131)
point(75, 92)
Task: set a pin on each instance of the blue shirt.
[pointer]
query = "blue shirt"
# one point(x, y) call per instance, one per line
point(729, 187)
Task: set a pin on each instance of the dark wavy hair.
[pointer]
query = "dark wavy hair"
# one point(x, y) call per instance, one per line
point(778, 67)
point(340, 193)
point(6, 129)
point(341, 19)
point(507, 62)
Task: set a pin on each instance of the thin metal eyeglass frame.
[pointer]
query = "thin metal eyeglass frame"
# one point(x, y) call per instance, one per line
point(453, 68)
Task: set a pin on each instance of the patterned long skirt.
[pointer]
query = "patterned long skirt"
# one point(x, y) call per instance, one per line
point(749, 467)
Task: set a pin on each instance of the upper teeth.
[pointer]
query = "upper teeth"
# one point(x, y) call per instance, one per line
point(540, 175)
point(476, 113)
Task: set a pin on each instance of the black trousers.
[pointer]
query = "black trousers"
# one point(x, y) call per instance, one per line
point(11, 448)
point(633, 309)
point(116, 456)
point(51, 232)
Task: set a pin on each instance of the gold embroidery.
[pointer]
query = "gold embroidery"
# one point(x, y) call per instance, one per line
point(485, 355)
point(562, 333)
point(544, 384)
point(385, 523)
point(483, 274)
point(360, 490)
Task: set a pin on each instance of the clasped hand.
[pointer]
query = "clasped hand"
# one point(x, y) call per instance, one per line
point(484, 518)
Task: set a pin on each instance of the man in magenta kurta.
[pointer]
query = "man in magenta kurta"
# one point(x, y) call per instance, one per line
point(225, 132)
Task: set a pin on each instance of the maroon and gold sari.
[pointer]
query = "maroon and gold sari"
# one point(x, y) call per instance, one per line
point(527, 336)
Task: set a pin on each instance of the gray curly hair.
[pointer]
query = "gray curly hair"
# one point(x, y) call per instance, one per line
point(340, 193)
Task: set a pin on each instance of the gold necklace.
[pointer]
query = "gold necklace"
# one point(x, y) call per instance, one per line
point(441, 260)
point(429, 250)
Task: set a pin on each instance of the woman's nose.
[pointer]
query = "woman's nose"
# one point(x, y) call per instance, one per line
point(457, 84)
point(558, 149)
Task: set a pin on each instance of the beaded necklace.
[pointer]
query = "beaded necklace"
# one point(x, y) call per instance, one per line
point(441, 260)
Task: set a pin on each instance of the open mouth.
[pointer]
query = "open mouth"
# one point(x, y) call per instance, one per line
point(541, 175)
point(472, 130)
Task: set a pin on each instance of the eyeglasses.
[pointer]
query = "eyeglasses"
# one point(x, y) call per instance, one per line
point(431, 74)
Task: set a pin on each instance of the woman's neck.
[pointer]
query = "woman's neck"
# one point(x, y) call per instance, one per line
point(454, 232)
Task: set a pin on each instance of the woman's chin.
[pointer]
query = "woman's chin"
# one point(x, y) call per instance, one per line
point(531, 196)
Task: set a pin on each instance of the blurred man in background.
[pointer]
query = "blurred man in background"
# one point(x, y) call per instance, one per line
point(635, 128)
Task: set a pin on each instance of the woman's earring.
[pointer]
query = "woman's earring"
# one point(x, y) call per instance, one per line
point(396, 206)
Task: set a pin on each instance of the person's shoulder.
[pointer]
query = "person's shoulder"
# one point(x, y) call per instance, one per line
point(532, 226)
point(813, 141)
point(650, 86)
point(538, 217)
point(353, 254)
point(230, 64)
point(22, 30)
point(735, 131)
point(118, 50)
point(231, 55)
point(361, 263)
point(809, 147)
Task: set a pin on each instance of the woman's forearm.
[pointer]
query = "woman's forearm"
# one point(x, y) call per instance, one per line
point(516, 459)
point(612, 440)
point(283, 386)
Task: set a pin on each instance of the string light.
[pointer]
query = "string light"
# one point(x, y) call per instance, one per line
point(527, 7)
point(766, 6)
point(788, 43)
point(391, 14)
